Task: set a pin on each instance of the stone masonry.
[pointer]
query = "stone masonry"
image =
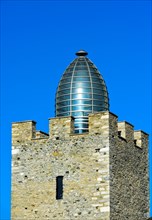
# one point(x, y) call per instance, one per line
point(105, 171)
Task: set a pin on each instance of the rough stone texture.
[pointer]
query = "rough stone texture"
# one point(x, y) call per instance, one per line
point(105, 171)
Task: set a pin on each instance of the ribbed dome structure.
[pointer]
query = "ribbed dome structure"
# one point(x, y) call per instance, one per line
point(81, 91)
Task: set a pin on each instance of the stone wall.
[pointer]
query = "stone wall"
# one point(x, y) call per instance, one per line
point(129, 181)
point(105, 175)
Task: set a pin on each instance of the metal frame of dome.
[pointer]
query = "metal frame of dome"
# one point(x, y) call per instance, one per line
point(81, 91)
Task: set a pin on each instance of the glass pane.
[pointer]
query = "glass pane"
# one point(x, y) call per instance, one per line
point(81, 73)
point(97, 85)
point(81, 79)
point(81, 108)
point(82, 84)
point(64, 86)
point(94, 79)
point(99, 97)
point(99, 91)
point(64, 109)
point(77, 107)
point(63, 97)
point(62, 103)
point(82, 113)
point(81, 96)
point(81, 90)
point(81, 120)
point(60, 114)
point(102, 108)
point(68, 74)
point(81, 67)
point(65, 91)
point(80, 125)
point(98, 102)
point(66, 80)
point(76, 102)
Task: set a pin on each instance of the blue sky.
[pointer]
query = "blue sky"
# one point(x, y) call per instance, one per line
point(39, 40)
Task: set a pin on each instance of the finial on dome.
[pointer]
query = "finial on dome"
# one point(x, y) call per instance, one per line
point(81, 53)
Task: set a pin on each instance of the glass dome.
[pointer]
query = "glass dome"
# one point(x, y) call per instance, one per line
point(81, 90)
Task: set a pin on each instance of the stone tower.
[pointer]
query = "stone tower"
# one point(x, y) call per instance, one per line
point(89, 166)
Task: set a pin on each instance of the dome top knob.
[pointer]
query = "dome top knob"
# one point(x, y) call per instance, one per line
point(81, 53)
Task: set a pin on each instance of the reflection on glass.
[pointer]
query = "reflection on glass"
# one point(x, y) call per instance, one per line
point(81, 91)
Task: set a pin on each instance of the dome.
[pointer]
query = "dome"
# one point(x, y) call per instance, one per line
point(81, 91)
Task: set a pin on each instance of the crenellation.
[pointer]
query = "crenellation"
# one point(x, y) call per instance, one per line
point(25, 130)
point(61, 127)
point(102, 123)
point(126, 131)
point(141, 138)
point(41, 134)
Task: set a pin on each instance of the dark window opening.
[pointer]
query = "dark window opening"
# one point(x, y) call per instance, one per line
point(59, 187)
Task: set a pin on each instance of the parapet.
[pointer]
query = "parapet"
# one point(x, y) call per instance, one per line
point(22, 131)
point(61, 126)
point(140, 138)
point(100, 123)
point(125, 130)
point(41, 134)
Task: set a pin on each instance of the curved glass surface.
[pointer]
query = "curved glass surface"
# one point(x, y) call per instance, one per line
point(81, 91)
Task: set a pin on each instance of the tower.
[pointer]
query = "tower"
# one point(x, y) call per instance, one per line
point(89, 166)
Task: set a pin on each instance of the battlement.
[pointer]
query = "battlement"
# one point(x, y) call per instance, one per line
point(61, 126)
point(23, 130)
point(140, 138)
point(103, 123)
point(125, 130)
point(41, 134)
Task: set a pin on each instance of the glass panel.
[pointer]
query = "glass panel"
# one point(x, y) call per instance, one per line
point(62, 103)
point(64, 86)
point(98, 80)
point(77, 113)
point(81, 120)
point(80, 90)
point(81, 84)
point(77, 107)
point(81, 108)
point(97, 102)
point(81, 96)
point(80, 125)
point(76, 102)
point(63, 97)
point(100, 91)
point(97, 85)
point(70, 69)
point(95, 75)
point(60, 114)
point(80, 131)
point(81, 73)
point(87, 108)
point(93, 69)
point(66, 80)
point(64, 109)
point(82, 113)
point(100, 97)
point(102, 108)
point(68, 74)
point(65, 91)
point(81, 79)
point(81, 68)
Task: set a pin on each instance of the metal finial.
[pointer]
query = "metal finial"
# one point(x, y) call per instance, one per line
point(81, 53)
